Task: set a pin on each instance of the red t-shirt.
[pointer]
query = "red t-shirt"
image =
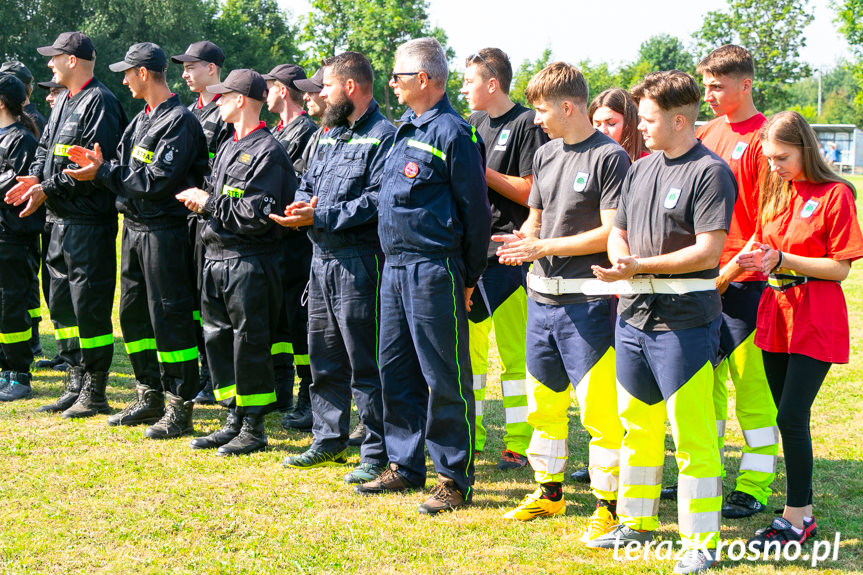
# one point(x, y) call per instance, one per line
point(811, 319)
point(739, 145)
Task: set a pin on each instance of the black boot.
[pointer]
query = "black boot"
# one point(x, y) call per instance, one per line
point(18, 386)
point(177, 420)
point(74, 380)
point(301, 417)
point(252, 437)
point(55, 362)
point(220, 437)
point(205, 396)
point(147, 407)
point(35, 343)
point(91, 401)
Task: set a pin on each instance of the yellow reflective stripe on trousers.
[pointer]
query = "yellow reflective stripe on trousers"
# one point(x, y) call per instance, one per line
point(16, 337)
point(98, 341)
point(257, 399)
point(178, 356)
point(301, 359)
point(282, 347)
point(140, 345)
point(142, 155)
point(66, 333)
point(223, 393)
point(427, 148)
point(35, 312)
point(62, 150)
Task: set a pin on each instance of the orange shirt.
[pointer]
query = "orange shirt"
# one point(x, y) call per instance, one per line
point(739, 145)
point(811, 319)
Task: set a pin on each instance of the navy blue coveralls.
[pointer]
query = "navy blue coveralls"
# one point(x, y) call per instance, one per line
point(434, 223)
point(345, 281)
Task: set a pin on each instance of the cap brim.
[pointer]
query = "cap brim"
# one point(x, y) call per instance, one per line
point(185, 58)
point(49, 51)
point(120, 66)
point(219, 89)
point(48, 85)
point(307, 85)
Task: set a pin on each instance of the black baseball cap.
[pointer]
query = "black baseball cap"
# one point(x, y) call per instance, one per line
point(287, 74)
point(50, 85)
point(18, 69)
point(144, 54)
point(204, 51)
point(12, 88)
point(312, 85)
point(244, 81)
point(74, 43)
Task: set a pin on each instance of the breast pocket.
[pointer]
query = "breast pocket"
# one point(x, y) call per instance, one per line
point(236, 179)
point(414, 182)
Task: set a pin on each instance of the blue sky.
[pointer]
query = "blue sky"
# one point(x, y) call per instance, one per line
point(576, 30)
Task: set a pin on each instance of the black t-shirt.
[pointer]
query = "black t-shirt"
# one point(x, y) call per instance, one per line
point(511, 141)
point(571, 184)
point(664, 204)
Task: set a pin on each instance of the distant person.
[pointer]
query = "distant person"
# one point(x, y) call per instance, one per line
point(615, 114)
point(808, 236)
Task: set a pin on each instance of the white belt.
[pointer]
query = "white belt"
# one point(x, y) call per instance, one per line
point(634, 286)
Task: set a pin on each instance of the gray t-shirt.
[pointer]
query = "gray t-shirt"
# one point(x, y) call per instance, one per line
point(571, 184)
point(664, 204)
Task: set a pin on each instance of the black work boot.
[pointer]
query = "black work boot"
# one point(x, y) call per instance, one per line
point(301, 417)
point(91, 401)
point(220, 437)
point(74, 381)
point(252, 437)
point(35, 342)
point(147, 407)
point(18, 386)
point(206, 395)
point(177, 420)
point(55, 362)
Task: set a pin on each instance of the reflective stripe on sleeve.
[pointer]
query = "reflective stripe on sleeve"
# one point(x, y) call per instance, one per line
point(142, 155)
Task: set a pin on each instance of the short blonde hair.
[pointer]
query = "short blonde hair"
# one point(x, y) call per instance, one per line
point(557, 82)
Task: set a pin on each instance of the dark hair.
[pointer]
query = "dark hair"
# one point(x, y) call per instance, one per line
point(557, 82)
point(352, 65)
point(16, 109)
point(728, 60)
point(671, 90)
point(792, 129)
point(620, 101)
point(492, 63)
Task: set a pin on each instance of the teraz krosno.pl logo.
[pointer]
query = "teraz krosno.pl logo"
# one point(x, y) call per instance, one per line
point(822, 550)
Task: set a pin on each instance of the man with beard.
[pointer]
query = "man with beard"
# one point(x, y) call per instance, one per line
point(337, 200)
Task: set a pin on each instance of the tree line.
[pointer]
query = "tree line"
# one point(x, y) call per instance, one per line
point(259, 34)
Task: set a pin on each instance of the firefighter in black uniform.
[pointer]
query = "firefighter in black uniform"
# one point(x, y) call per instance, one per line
point(37, 248)
point(17, 150)
point(291, 347)
point(252, 178)
point(162, 152)
point(202, 67)
point(82, 259)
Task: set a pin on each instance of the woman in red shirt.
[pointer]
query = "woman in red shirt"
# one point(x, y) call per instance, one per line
point(809, 235)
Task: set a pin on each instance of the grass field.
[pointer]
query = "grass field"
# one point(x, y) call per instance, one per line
point(80, 497)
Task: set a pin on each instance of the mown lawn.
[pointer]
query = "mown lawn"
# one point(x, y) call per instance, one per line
point(80, 497)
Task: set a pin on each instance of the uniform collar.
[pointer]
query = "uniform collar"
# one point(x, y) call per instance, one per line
point(442, 107)
point(172, 101)
point(370, 111)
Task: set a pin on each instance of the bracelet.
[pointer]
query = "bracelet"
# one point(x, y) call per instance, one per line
point(779, 263)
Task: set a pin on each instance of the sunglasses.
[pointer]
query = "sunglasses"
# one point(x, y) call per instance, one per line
point(395, 75)
point(484, 61)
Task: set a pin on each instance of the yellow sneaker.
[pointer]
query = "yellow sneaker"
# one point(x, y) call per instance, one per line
point(600, 523)
point(533, 506)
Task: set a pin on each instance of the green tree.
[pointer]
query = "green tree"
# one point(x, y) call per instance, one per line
point(849, 16)
point(666, 52)
point(522, 75)
point(772, 32)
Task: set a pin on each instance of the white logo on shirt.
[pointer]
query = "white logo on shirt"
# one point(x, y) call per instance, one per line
point(502, 140)
point(738, 150)
point(580, 181)
point(808, 208)
point(671, 198)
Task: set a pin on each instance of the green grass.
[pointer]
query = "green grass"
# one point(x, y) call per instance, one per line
point(80, 497)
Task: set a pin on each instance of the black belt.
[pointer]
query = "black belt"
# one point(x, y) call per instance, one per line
point(782, 282)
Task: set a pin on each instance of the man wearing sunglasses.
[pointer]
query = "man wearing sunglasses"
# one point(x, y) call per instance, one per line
point(500, 298)
point(434, 224)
